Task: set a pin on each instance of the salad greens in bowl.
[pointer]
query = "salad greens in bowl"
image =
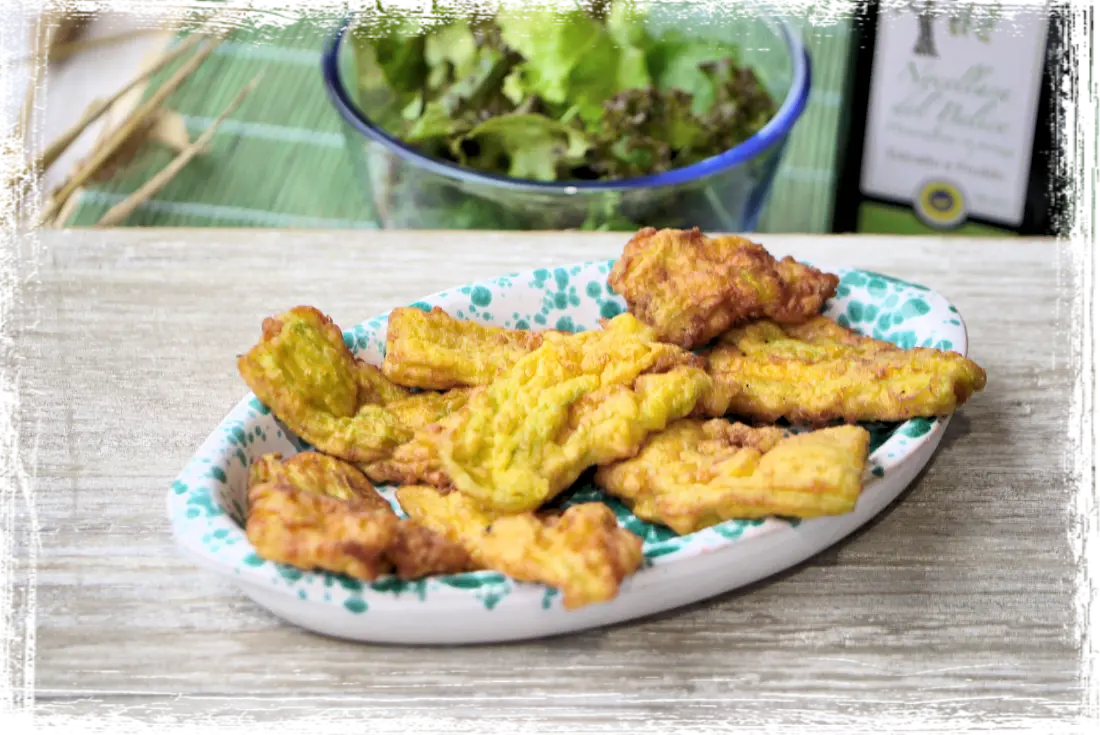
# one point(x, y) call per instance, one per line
point(615, 116)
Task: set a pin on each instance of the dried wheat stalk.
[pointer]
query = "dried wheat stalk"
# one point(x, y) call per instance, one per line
point(66, 50)
point(45, 157)
point(26, 185)
point(165, 127)
point(53, 151)
point(61, 51)
point(136, 121)
point(61, 22)
point(63, 141)
point(118, 213)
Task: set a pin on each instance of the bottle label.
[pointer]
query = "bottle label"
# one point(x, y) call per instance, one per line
point(951, 121)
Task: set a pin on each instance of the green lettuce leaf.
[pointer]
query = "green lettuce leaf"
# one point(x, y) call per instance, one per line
point(567, 53)
point(522, 146)
point(627, 25)
point(434, 123)
point(399, 48)
point(483, 80)
point(675, 62)
point(552, 44)
point(450, 46)
point(646, 131)
point(741, 106)
point(472, 71)
point(545, 95)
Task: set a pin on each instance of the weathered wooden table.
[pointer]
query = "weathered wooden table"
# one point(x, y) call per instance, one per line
point(956, 602)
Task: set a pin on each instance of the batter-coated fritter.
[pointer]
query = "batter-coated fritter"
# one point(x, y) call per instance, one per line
point(318, 473)
point(302, 518)
point(416, 462)
point(311, 531)
point(582, 552)
point(302, 370)
point(578, 400)
point(696, 474)
point(376, 388)
point(691, 288)
point(420, 410)
point(433, 350)
point(817, 372)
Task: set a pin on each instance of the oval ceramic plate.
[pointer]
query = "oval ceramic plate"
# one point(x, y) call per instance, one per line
point(206, 503)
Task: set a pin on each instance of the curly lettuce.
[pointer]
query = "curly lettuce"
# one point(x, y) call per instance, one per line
point(549, 95)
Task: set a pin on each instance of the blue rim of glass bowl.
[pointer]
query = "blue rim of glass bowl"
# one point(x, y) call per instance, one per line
point(774, 131)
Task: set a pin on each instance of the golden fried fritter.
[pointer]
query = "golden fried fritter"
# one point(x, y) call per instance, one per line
point(287, 529)
point(345, 407)
point(419, 410)
point(817, 372)
point(696, 474)
point(318, 473)
point(354, 536)
point(418, 552)
point(582, 552)
point(416, 462)
point(263, 469)
point(376, 388)
point(311, 531)
point(302, 370)
point(433, 350)
point(691, 288)
point(578, 400)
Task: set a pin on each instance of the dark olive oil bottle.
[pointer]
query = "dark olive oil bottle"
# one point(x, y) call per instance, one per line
point(949, 123)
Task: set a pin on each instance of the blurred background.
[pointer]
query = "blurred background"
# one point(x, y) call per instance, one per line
point(281, 157)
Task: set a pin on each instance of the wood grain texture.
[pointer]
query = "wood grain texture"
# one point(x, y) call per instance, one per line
point(956, 599)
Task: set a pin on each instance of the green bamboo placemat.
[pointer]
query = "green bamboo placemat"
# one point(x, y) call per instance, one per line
point(281, 161)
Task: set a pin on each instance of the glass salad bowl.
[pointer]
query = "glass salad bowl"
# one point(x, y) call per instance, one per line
point(405, 188)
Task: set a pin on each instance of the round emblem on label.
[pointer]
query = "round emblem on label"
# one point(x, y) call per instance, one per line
point(940, 204)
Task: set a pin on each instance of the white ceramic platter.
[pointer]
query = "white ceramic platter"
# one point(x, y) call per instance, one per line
point(206, 504)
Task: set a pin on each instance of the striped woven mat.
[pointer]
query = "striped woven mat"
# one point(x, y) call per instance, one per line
point(281, 161)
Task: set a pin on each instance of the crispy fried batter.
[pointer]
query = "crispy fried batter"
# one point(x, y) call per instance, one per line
point(263, 469)
point(420, 410)
point(376, 388)
point(818, 372)
point(691, 288)
point(416, 462)
point(696, 474)
point(306, 375)
point(317, 473)
point(311, 531)
point(433, 350)
point(582, 552)
point(287, 527)
point(310, 521)
point(578, 400)
point(418, 552)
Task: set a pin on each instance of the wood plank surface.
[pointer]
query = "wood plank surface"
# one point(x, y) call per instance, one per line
point(957, 600)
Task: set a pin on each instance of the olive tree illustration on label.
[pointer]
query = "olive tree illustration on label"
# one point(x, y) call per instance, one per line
point(975, 18)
